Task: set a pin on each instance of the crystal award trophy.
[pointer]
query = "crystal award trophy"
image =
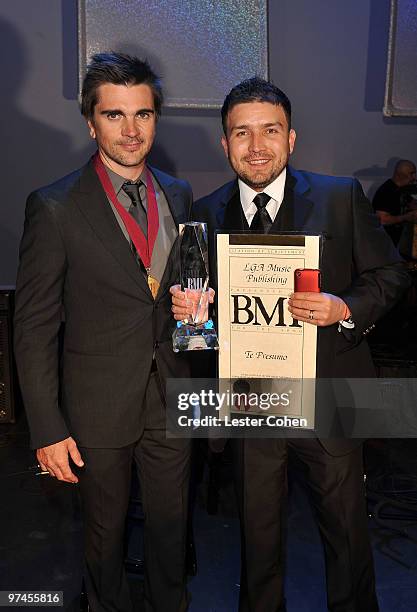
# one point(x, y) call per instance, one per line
point(198, 332)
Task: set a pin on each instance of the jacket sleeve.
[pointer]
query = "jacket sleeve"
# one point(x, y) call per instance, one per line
point(38, 314)
point(380, 276)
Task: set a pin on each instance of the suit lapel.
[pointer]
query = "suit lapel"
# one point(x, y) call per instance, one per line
point(95, 207)
point(175, 200)
point(180, 213)
point(284, 220)
point(298, 189)
point(295, 209)
point(230, 215)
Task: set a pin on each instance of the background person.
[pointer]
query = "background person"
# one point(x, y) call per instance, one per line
point(391, 200)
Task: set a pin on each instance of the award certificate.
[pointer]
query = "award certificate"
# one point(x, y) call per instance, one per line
point(267, 359)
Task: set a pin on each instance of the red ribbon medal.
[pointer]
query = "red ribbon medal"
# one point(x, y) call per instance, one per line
point(144, 247)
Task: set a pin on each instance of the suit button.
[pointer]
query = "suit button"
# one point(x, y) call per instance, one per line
point(156, 345)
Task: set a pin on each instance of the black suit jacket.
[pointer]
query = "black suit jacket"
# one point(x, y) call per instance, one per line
point(359, 264)
point(77, 266)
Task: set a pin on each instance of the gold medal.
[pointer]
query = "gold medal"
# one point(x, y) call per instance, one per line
point(153, 285)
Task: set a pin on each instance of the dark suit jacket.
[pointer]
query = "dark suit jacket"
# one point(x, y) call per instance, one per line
point(359, 262)
point(75, 264)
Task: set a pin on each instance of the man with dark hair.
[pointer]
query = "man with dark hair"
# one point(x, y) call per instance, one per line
point(97, 252)
point(118, 69)
point(362, 277)
point(255, 90)
point(391, 200)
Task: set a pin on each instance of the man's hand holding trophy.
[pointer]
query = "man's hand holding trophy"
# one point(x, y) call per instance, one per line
point(191, 299)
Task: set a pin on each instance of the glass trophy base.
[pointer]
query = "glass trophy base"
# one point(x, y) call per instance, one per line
point(189, 337)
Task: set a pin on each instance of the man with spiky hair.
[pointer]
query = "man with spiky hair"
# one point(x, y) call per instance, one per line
point(97, 252)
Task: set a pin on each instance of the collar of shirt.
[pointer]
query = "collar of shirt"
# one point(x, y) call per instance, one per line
point(275, 190)
point(118, 181)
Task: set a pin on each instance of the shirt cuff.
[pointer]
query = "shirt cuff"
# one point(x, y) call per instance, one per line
point(347, 321)
point(348, 324)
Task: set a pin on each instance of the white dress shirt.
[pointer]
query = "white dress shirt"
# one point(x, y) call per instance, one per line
point(275, 190)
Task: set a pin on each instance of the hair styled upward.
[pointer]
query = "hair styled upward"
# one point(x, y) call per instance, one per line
point(255, 90)
point(118, 69)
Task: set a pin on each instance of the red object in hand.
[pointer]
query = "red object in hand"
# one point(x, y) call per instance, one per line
point(307, 279)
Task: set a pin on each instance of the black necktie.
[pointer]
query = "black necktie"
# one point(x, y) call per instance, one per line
point(136, 209)
point(261, 222)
